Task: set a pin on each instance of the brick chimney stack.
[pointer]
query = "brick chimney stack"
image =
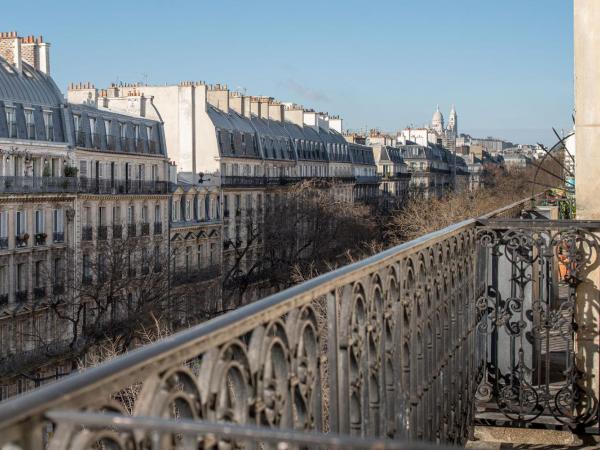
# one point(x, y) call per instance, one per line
point(10, 49)
point(32, 50)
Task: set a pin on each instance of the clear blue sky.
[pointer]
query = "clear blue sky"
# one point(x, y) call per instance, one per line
point(507, 65)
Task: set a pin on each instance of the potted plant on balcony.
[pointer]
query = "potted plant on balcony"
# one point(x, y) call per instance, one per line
point(22, 239)
point(70, 171)
point(40, 238)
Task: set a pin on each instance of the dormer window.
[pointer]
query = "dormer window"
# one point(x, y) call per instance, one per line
point(48, 126)
point(30, 124)
point(12, 123)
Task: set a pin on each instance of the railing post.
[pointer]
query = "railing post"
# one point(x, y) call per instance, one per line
point(332, 361)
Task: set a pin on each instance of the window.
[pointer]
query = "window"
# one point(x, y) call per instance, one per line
point(116, 215)
point(21, 222)
point(87, 215)
point(58, 272)
point(225, 206)
point(20, 278)
point(83, 166)
point(157, 216)
point(157, 259)
point(38, 274)
point(58, 224)
point(29, 123)
point(188, 210)
point(175, 210)
point(144, 214)
point(131, 215)
point(3, 280)
point(101, 216)
point(188, 259)
point(76, 122)
point(12, 123)
point(3, 224)
point(200, 256)
point(87, 269)
point(39, 221)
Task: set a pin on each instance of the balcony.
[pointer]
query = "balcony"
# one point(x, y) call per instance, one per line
point(26, 185)
point(196, 276)
point(21, 296)
point(472, 324)
point(40, 239)
point(58, 289)
point(87, 233)
point(39, 292)
point(131, 230)
point(157, 228)
point(102, 232)
point(118, 186)
point(3, 299)
point(145, 229)
point(3, 243)
point(58, 236)
point(21, 240)
point(117, 231)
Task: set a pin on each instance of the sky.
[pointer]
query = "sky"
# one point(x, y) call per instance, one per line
point(506, 65)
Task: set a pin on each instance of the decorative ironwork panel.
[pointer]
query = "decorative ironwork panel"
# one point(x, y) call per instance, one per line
point(533, 371)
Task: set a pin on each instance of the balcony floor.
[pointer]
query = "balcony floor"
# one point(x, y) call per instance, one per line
point(497, 438)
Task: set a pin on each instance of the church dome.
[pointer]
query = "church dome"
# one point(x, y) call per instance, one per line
point(437, 122)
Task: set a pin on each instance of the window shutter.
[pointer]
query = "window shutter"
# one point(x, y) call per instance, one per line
point(83, 168)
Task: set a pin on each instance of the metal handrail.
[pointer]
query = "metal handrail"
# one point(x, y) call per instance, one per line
point(246, 433)
point(190, 342)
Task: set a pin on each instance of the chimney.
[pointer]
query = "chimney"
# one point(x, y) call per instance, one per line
point(218, 96)
point(10, 49)
point(43, 56)
point(29, 52)
point(276, 111)
point(264, 107)
point(255, 106)
point(323, 121)
point(236, 102)
point(310, 118)
point(246, 101)
point(335, 123)
point(294, 114)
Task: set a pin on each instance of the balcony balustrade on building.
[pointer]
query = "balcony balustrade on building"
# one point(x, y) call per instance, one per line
point(117, 231)
point(131, 230)
point(87, 233)
point(157, 228)
point(102, 232)
point(197, 275)
point(39, 292)
point(58, 289)
point(469, 323)
point(58, 236)
point(145, 229)
point(21, 296)
point(24, 185)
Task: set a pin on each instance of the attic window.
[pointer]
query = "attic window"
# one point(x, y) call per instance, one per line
point(7, 67)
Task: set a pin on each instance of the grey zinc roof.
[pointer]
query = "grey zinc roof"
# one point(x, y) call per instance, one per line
point(30, 88)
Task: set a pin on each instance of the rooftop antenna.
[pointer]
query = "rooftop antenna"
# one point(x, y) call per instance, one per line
point(145, 77)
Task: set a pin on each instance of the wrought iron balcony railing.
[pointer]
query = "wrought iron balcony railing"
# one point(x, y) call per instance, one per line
point(117, 231)
point(145, 231)
point(58, 236)
point(102, 232)
point(401, 345)
point(87, 233)
point(157, 227)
